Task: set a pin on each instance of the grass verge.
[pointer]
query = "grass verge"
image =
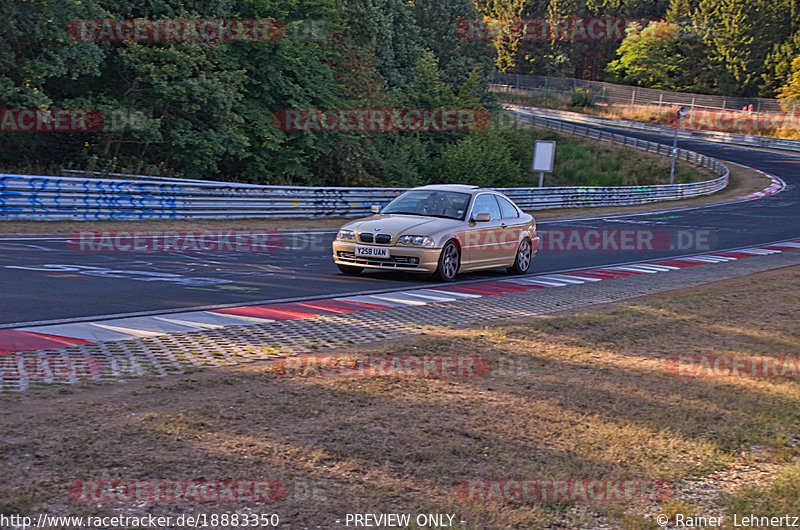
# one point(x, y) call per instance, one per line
point(581, 161)
point(768, 124)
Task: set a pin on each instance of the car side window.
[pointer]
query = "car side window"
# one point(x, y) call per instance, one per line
point(486, 203)
point(506, 208)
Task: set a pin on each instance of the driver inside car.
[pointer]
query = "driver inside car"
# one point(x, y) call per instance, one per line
point(430, 206)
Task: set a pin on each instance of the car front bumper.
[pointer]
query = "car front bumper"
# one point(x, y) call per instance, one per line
point(410, 259)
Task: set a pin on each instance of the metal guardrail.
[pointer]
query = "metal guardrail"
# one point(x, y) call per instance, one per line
point(140, 197)
point(746, 140)
point(92, 198)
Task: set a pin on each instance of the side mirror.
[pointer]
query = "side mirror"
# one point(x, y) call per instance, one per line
point(482, 217)
point(375, 208)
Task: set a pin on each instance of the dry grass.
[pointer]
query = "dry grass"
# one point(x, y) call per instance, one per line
point(774, 125)
point(764, 124)
point(582, 161)
point(577, 395)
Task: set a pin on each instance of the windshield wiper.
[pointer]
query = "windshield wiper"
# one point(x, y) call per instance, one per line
point(403, 213)
point(423, 215)
point(442, 216)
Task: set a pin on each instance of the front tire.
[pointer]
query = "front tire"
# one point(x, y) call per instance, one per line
point(449, 262)
point(522, 263)
point(350, 270)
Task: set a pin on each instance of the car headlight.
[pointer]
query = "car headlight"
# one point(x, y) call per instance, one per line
point(346, 235)
point(417, 241)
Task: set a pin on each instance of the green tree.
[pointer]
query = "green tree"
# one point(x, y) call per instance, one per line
point(472, 91)
point(681, 11)
point(791, 90)
point(457, 57)
point(482, 158)
point(778, 64)
point(427, 90)
point(36, 49)
point(507, 51)
point(192, 90)
point(388, 28)
point(556, 55)
point(739, 36)
point(39, 64)
point(355, 159)
point(296, 72)
point(662, 55)
point(206, 109)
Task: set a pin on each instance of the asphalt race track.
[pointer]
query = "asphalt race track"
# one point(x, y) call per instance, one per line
point(44, 280)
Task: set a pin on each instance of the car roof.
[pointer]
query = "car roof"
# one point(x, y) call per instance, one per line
point(463, 188)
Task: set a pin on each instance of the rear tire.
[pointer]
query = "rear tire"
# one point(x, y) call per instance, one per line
point(449, 262)
point(522, 263)
point(350, 270)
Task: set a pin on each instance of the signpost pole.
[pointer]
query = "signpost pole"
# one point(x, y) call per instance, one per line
point(680, 113)
point(674, 153)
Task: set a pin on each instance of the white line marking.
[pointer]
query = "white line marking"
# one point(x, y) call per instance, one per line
point(563, 279)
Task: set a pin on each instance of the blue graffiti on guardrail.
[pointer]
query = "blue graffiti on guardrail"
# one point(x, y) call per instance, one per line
point(34, 195)
point(57, 198)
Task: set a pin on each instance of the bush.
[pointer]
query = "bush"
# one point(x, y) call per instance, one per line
point(581, 97)
point(485, 158)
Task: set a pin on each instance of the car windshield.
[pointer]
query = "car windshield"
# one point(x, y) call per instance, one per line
point(432, 203)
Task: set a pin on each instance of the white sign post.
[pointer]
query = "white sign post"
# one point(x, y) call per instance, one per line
point(543, 158)
point(680, 113)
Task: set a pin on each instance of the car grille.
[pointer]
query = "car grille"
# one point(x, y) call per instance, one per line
point(391, 261)
point(369, 237)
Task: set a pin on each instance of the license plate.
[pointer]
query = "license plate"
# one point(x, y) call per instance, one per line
point(372, 252)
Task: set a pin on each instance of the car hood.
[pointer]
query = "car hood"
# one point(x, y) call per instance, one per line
point(399, 224)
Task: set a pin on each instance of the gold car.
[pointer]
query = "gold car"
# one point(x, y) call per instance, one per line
point(441, 230)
